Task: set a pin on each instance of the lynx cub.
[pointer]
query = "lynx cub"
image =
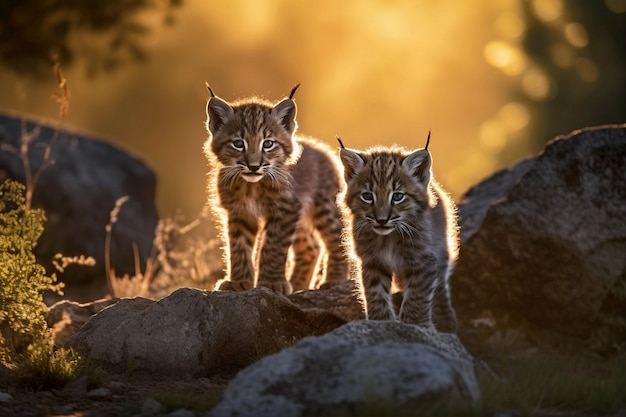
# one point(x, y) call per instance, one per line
point(402, 225)
point(273, 192)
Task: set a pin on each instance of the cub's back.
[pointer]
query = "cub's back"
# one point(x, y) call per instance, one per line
point(316, 175)
point(443, 221)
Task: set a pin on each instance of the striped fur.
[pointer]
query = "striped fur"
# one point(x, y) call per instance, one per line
point(275, 195)
point(402, 229)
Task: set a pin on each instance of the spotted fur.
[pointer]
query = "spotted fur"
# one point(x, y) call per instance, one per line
point(402, 228)
point(274, 193)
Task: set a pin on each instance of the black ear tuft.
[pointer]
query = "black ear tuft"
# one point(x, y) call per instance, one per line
point(209, 88)
point(293, 91)
point(340, 142)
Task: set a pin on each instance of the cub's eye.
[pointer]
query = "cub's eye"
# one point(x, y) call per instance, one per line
point(268, 144)
point(238, 144)
point(367, 197)
point(397, 197)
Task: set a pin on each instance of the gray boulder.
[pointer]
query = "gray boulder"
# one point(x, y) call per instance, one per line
point(67, 317)
point(362, 367)
point(543, 243)
point(342, 301)
point(195, 333)
point(78, 191)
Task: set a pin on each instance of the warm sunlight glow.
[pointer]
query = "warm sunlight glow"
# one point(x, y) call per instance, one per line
point(478, 74)
point(476, 165)
point(514, 116)
point(505, 56)
point(492, 135)
point(536, 84)
point(576, 34)
point(391, 25)
point(547, 10)
point(510, 25)
point(245, 24)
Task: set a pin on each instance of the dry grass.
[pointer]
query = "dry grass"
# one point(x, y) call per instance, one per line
point(189, 253)
point(60, 262)
point(556, 385)
point(126, 285)
point(183, 255)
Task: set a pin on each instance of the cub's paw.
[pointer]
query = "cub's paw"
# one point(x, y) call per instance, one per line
point(382, 314)
point(418, 321)
point(281, 287)
point(329, 284)
point(227, 285)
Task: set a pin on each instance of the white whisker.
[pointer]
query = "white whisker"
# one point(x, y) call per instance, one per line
point(229, 174)
point(279, 177)
point(360, 226)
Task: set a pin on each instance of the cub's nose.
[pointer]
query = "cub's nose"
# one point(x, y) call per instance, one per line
point(254, 168)
point(382, 222)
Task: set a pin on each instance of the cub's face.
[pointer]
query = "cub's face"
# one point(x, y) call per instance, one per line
point(386, 191)
point(252, 140)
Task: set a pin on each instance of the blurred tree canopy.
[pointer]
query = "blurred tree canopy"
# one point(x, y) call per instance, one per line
point(580, 48)
point(105, 34)
point(494, 79)
point(566, 66)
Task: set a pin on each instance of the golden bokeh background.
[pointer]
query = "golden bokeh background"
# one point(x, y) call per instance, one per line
point(374, 72)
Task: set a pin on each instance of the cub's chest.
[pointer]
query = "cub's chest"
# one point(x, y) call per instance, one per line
point(389, 256)
point(251, 201)
point(252, 207)
point(395, 256)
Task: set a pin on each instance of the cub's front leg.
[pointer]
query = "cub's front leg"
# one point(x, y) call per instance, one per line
point(376, 281)
point(242, 231)
point(419, 284)
point(279, 235)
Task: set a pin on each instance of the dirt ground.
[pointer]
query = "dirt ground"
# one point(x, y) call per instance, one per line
point(119, 396)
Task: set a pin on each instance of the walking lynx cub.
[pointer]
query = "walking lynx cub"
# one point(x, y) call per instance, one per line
point(403, 226)
point(274, 192)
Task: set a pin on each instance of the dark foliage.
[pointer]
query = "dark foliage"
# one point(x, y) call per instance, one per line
point(576, 102)
point(111, 33)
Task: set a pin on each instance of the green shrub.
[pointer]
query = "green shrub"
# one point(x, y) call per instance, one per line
point(43, 366)
point(22, 280)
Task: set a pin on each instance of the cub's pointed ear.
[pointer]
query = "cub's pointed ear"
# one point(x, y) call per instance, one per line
point(218, 113)
point(352, 162)
point(418, 165)
point(285, 112)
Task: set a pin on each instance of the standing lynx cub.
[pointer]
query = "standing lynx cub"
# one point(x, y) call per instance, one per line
point(273, 192)
point(403, 226)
